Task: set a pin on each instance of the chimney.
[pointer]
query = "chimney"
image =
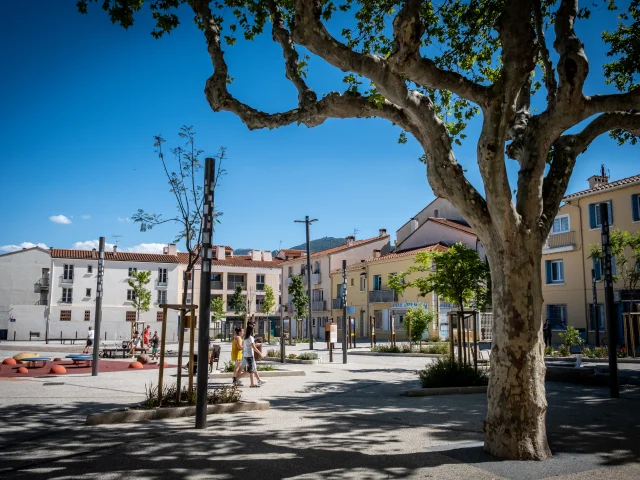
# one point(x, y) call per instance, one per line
point(376, 254)
point(115, 249)
point(414, 224)
point(267, 256)
point(256, 255)
point(350, 239)
point(221, 252)
point(597, 180)
point(383, 232)
point(170, 249)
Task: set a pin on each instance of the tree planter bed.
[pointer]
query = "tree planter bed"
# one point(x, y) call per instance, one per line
point(427, 392)
point(412, 354)
point(135, 415)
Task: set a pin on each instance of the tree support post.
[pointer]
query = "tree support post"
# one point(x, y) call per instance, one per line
point(162, 345)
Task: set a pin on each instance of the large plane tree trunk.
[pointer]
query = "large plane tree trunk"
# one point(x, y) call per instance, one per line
point(515, 425)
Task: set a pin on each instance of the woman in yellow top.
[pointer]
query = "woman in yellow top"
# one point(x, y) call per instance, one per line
point(236, 355)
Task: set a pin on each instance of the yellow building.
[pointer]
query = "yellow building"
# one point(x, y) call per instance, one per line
point(370, 299)
point(566, 269)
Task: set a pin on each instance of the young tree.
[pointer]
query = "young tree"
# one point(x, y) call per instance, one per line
point(429, 67)
point(268, 301)
point(298, 292)
point(217, 309)
point(417, 321)
point(141, 296)
point(237, 301)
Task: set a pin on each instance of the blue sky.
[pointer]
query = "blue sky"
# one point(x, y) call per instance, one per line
point(82, 99)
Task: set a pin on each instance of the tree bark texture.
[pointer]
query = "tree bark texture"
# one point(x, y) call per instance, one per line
point(515, 426)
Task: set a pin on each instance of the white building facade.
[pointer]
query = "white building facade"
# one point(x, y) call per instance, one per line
point(72, 299)
point(24, 291)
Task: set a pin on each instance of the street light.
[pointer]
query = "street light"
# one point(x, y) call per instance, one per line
point(307, 222)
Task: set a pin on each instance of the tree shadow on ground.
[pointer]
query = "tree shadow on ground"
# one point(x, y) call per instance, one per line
point(343, 429)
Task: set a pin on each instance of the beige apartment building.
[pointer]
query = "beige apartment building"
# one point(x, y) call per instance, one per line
point(252, 272)
point(567, 270)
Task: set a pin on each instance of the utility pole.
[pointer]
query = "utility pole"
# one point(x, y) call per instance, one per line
point(595, 308)
point(205, 294)
point(344, 311)
point(612, 324)
point(307, 222)
point(98, 317)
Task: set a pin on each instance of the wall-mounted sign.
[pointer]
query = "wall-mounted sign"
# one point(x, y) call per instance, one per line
point(351, 310)
point(407, 305)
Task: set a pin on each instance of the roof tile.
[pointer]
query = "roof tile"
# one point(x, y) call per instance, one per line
point(604, 187)
point(113, 256)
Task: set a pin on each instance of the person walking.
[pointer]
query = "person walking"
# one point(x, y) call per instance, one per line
point(89, 344)
point(249, 351)
point(145, 336)
point(155, 342)
point(236, 355)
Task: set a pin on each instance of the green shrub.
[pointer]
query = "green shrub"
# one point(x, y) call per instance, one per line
point(266, 368)
point(273, 353)
point(419, 320)
point(563, 351)
point(572, 337)
point(600, 352)
point(386, 349)
point(440, 349)
point(291, 356)
point(404, 348)
point(226, 394)
point(308, 356)
point(434, 339)
point(548, 351)
point(229, 366)
point(448, 373)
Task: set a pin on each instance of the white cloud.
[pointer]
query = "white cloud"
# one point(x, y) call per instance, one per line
point(60, 219)
point(15, 248)
point(124, 220)
point(146, 248)
point(141, 248)
point(85, 217)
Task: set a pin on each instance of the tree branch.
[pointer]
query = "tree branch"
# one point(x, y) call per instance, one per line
point(573, 66)
point(405, 59)
point(549, 72)
point(283, 37)
point(617, 102)
point(565, 151)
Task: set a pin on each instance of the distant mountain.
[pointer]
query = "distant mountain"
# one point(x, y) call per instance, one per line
point(315, 245)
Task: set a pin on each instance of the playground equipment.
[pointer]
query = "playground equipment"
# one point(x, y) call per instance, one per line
point(190, 323)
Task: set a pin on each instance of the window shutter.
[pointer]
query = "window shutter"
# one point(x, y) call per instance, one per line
point(610, 211)
point(634, 207)
point(592, 215)
point(597, 267)
point(562, 271)
point(548, 266)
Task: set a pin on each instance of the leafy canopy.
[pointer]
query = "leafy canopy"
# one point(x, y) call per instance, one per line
point(268, 301)
point(418, 320)
point(456, 275)
point(141, 296)
point(625, 246)
point(237, 301)
point(299, 297)
point(217, 309)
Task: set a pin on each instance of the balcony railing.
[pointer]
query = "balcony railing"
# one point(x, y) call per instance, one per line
point(336, 303)
point(234, 285)
point(382, 296)
point(66, 280)
point(216, 284)
point(44, 283)
point(163, 283)
point(559, 240)
point(318, 306)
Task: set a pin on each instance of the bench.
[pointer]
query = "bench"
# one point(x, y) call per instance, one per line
point(34, 334)
point(72, 341)
point(33, 360)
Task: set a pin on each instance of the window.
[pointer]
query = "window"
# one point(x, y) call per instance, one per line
point(132, 271)
point(89, 268)
point(290, 271)
point(87, 315)
point(162, 276)
point(259, 300)
point(87, 292)
point(67, 275)
point(599, 315)
point(67, 294)
point(635, 207)
point(316, 267)
point(216, 281)
point(598, 267)
point(560, 224)
point(158, 316)
point(557, 315)
point(377, 282)
point(353, 282)
point(436, 213)
point(65, 315)
point(131, 295)
point(260, 282)
point(317, 295)
point(162, 297)
point(130, 316)
point(555, 271)
point(363, 284)
point(378, 315)
point(234, 280)
point(594, 214)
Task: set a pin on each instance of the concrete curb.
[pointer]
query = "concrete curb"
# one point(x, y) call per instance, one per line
point(385, 354)
point(274, 361)
point(175, 412)
point(273, 373)
point(427, 392)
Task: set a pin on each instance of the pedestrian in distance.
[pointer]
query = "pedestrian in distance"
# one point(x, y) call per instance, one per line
point(236, 356)
point(249, 354)
point(145, 336)
point(89, 344)
point(155, 342)
point(546, 332)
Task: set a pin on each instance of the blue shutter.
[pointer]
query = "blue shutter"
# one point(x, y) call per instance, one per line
point(592, 215)
point(610, 210)
point(548, 267)
point(613, 264)
point(597, 266)
point(634, 207)
point(561, 279)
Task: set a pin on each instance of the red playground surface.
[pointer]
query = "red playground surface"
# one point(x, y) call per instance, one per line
point(104, 366)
